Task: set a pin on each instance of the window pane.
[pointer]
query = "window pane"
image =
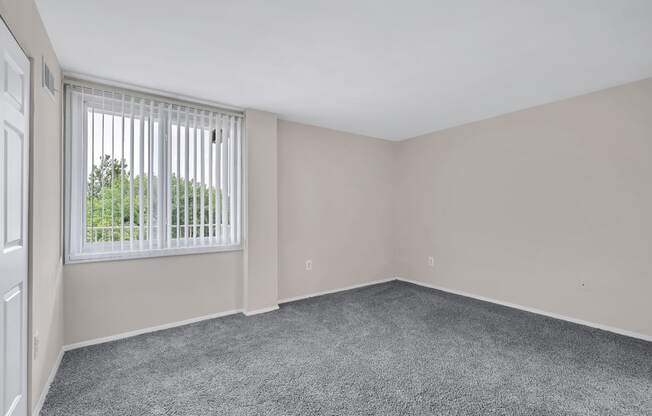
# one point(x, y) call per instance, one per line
point(149, 175)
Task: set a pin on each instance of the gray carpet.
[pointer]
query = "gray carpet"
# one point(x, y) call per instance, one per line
point(389, 349)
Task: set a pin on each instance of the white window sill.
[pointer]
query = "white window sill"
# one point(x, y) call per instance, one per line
point(105, 256)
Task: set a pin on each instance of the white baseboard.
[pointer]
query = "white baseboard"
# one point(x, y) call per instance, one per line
point(326, 292)
point(533, 310)
point(148, 330)
point(342, 289)
point(261, 310)
point(136, 332)
point(53, 372)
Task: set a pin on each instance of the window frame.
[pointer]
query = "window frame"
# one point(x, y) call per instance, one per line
point(190, 246)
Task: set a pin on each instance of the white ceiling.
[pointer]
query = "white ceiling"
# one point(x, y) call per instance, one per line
point(390, 69)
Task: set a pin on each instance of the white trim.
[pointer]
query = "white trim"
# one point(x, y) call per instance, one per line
point(326, 292)
point(81, 78)
point(342, 289)
point(259, 311)
point(44, 393)
point(136, 332)
point(148, 253)
point(533, 310)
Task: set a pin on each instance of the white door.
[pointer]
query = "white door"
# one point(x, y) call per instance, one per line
point(14, 140)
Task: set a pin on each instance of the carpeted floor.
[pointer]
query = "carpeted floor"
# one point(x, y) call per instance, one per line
point(388, 349)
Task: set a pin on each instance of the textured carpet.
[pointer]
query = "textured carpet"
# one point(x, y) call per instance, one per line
point(388, 349)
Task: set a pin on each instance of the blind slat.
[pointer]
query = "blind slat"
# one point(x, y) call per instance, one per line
point(238, 172)
point(186, 179)
point(101, 186)
point(83, 168)
point(122, 173)
point(161, 209)
point(218, 178)
point(231, 180)
point(92, 169)
point(211, 146)
point(112, 171)
point(178, 155)
point(202, 139)
point(150, 177)
point(141, 186)
point(194, 176)
point(131, 173)
point(168, 182)
point(225, 178)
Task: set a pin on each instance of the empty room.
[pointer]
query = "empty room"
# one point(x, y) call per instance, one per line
point(248, 207)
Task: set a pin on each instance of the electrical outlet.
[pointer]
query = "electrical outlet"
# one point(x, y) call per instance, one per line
point(431, 261)
point(308, 265)
point(35, 346)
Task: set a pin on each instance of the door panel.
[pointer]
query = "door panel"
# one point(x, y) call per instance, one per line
point(12, 310)
point(14, 153)
point(13, 187)
point(14, 81)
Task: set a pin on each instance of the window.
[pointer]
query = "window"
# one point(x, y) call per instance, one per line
point(148, 176)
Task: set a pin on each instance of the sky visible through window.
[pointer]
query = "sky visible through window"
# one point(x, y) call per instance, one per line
point(112, 144)
point(113, 175)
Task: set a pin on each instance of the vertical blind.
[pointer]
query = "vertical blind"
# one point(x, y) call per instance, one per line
point(147, 175)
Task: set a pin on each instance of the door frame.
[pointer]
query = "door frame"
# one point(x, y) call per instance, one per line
point(30, 236)
point(28, 349)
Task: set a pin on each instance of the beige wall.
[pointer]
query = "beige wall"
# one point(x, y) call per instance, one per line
point(109, 298)
point(549, 207)
point(327, 187)
point(335, 195)
point(45, 258)
point(261, 216)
